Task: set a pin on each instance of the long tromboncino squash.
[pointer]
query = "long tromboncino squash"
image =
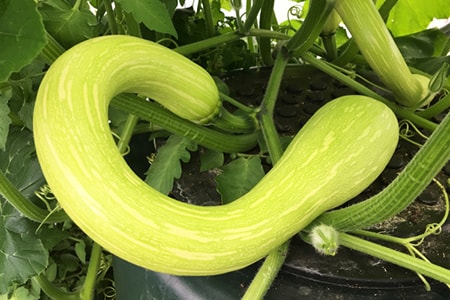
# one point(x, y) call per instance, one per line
point(382, 54)
point(336, 155)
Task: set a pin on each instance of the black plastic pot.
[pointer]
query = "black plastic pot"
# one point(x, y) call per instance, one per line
point(133, 283)
point(305, 274)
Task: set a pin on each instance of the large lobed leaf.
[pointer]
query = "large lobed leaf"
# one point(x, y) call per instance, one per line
point(153, 13)
point(167, 166)
point(68, 25)
point(410, 16)
point(22, 254)
point(22, 35)
point(238, 177)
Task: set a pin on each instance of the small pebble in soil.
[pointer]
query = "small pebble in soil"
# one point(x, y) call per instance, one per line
point(428, 197)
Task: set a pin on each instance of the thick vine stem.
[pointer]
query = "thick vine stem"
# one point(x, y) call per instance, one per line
point(265, 22)
point(234, 123)
point(52, 49)
point(275, 259)
point(252, 13)
point(54, 292)
point(311, 28)
point(267, 273)
point(437, 108)
point(26, 207)
point(204, 136)
point(87, 292)
point(416, 176)
point(404, 260)
point(268, 105)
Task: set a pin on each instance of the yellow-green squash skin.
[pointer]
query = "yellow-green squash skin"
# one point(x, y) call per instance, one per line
point(335, 156)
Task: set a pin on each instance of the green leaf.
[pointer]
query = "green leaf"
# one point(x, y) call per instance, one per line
point(19, 162)
point(22, 254)
point(410, 16)
point(24, 293)
point(25, 84)
point(5, 121)
point(210, 159)
point(153, 13)
point(22, 35)
point(80, 251)
point(68, 25)
point(430, 65)
point(238, 177)
point(427, 43)
point(166, 165)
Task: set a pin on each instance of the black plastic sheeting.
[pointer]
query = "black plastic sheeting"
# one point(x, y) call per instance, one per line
point(135, 283)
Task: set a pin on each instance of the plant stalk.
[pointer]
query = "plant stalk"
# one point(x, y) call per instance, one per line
point(127, 133)
point(318, 14)
point(401, 259)
point(210, 28)
point(265, 22)
point(53, 292)
point(33, 212)
point(111, 16)
point(87, 292)
point(202, 135)
point(275, 259)
point(52, 50)
point(252, 13)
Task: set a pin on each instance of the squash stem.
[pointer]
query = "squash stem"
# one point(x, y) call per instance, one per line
point(52, 291)
point(25, 206)
point(52, 50)
point(311, 28)
point(127, 133)
point(275, 259)
point(329, 41)
point(253, 10)
point(265, 22)
point(111, 17)
point(404, 260)
point(267, 273)
point(210, 28)
point(236, 123)
point(204, 136)
point(437, 108)
point(87, 292)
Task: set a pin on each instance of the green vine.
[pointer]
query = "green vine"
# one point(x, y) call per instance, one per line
point(410, 243)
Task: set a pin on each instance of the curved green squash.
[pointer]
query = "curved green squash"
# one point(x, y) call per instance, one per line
point(336, 155)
